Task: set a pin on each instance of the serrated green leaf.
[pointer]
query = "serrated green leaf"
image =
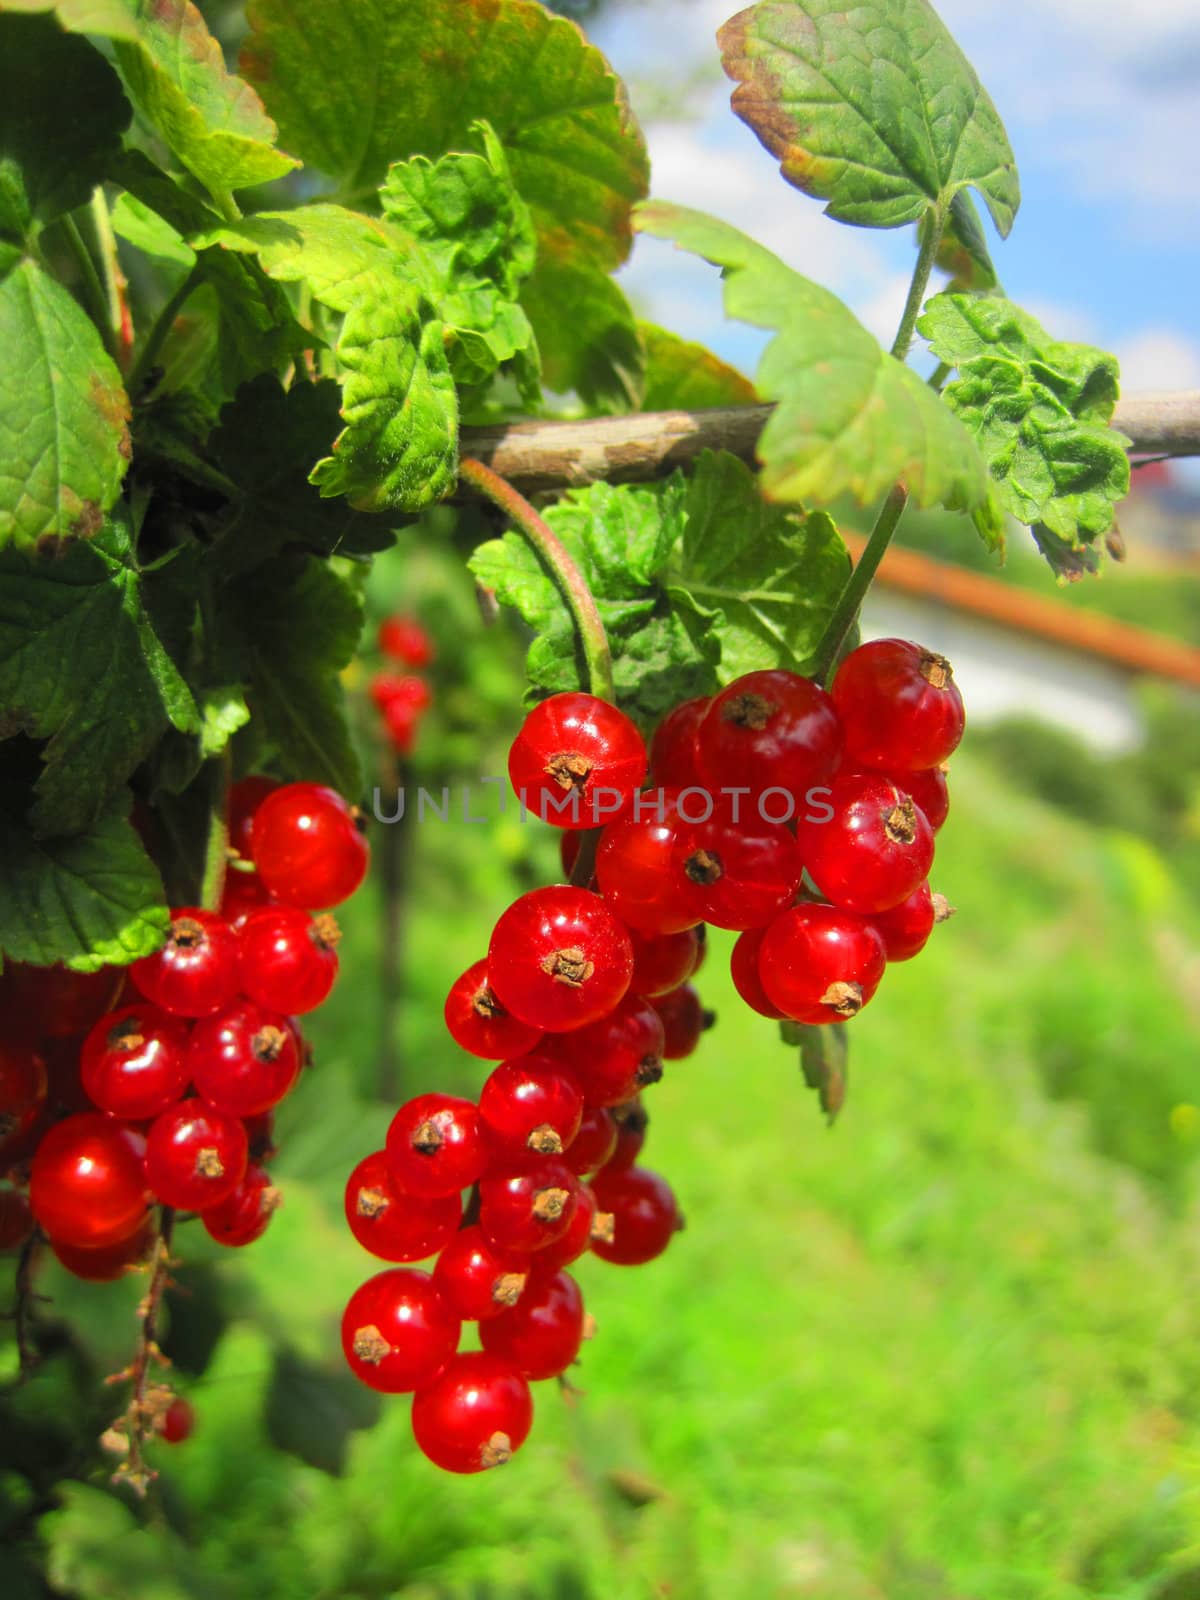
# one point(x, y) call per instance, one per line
point(962, 250)
point(64, 437)
point(872, 108)
point(684, 376)
point(223, 710)
point(311, 1410)
point(849, 418)
point(49, 163)
point(1039, 410)
point(824, 1053)
point(148, 232)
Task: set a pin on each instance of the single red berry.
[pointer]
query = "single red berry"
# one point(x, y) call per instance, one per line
point(542, 1333)
point(595, 1142)
point(22, 1094)
point(178, 1422)
point(435, 1146)
point(478, 1022)
point(745, 871)
point(530, 1106)
point(38, 1003)
point(241, 885)
point(588, 1223)
point(392, 1225)
point(289, 959)
point(769, 731)
point(673, 748)
point(401, 722)
point(928, 790)
point(87, 1186)
point(307, 847)
point(16, 1219)
point(404, 639)
point(905, 929)
point(398, 1332)
point(613, 1058)
point(820, 964)
point(637, 868)
point(632, 1120)
point(394, 689)
point(559, 958)
point(243, 1216)
point(900, 706)
point(873, 851)
point(743, 967)
point(108, 1262)
point(134, 1061)
point(196, 1156)
point(244, 1060)
point(644, 1214)
point(196, 971)
point(477, 1280)
point(526, 1208)
point(243, 894)
point(661, 962)
point(576, 761)
point(475, 1415)
point(684, 1019)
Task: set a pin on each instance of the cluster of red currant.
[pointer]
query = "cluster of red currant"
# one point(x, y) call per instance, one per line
point(403, 698)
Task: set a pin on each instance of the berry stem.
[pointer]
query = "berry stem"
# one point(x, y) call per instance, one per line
point(139, 1413)
point(851, 598)
point(216, 847)
point(394, 852)
point(161, 327)
point(584, 864)
point(22, 1312)
point(553, 552)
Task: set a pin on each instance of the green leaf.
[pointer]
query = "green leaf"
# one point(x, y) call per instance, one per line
point(849, 419)
point(962, 250)
point(89, 900)
point(312, 1410)
point(684, 376)
point(872, 108)
point(143, 228)
point(1039, 410)
point(824, 1052)
point(49, 163)
point(392, 81)
point(64, 439)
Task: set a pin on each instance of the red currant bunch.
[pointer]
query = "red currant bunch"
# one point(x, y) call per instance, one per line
point(402, 697)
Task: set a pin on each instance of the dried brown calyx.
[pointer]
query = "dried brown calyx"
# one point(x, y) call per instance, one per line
point(844, 998)
point(569, 769)
point(747, 711)
point(900, 824)
point(936, 670)
point(209, 1163)
point(704, 867)
point(549, 1204)
point(570, 966)
point(370, 1345)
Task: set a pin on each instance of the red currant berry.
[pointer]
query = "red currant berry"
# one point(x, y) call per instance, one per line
point(632, 1121)
point(820, 964)
point(684, 1019)
point(743, 967)
point(478, 1022)
point(615, 1057)
point(398, 1332)
point(477, 1280)
point(307, 847)
point(673, 748)
point(588, 1223)
point(38, 1003)
point(435, 1146)
point(392, 689)
point(770, 730)
point(260, 1130)
point(243, 894)
point(644, 1215)
point(178, 1422)
point(542, 1333)
point(525, 1209)
point(900, 706)
point(22, 1094)
point(243, 1216)
point(576, 761)
point(928, 790)
point(475, 1415)
point(87, 1186)
point(108, 1262)
point(134, 1061)
point(558, 958)
point(16, 1219)
point(661, 962)
point(244, 1060)
point(404, 639)
point(196, 971)
point(595, 1142)
point(196, 1156)
point(875, 849)
point(744, 872)
point(905, 929)
point(392, 1225)
point(637, 868)
point(401, 722)
point(289, 959)
point(529, 1106)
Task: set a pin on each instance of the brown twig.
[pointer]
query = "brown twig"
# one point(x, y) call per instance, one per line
point(148, 1401)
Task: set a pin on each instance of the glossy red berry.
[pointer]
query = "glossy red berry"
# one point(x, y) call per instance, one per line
point(673, 748)
point(392, 689)
point(307, 847)
point(243, 1216)
point(87, 1186)
point(637, 868)
point(820, 964)
point(475, 1415)
point(576, 761)
point(632, 1122)
point(178, 1421)
point(478, 1280)
point(401, 722)
point(435, 1146)
point(16, 1219)
point(244, 1060)
point(243, 894)
point(524, 1209)
point(684, 1019)
point(542, 1333)
point(905, 929)
point(404, 639)
point(743, 967)
point(588, 1222)
point(644, 1214)
point(615, 1057)
point(478, 1022)
point(744, 872)
point(770, 730)
point(38, 1003)
point(595, 1142)
point(196, 971)
point(398, 1332)
point(244, 889)
point(559, 958)
point(106, 1263)
point(289, 959)
point(927, 789)
point(875, 848)
point(134, 1061)
point(392, 1225)
point(196, 1156)
point(900, 706)
point(22, 1093)
point(530, 1106)
point(661, 962)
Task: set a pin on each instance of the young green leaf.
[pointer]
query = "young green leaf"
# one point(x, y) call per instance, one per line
point(872, 108)
point(684, 376)
point(849, 419)
point(824, 1050)
point(962, 250)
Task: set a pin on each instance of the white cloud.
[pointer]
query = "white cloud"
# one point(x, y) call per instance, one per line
point(1159, 358)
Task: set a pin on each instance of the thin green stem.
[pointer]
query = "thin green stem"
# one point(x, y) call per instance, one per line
point(226, 204)
point(926, 256)
point(161, 327)
point(216, 846)
point(859, 582)
point(111, 275)
point(939, 375)
point(553, 552)
point(94, 294)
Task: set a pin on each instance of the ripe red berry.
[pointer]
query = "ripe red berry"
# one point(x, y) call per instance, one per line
point(243, 1216)
point(22, 1093)
point(478, 1022)
point(243, 894)
point(900, 706)
point(820, 964)
point(307, 847)
point(529, 1106)
point(615, 1057)
point(178, 1422)
point(391, 689)
point(260, 1130)
point(661, 962)
point(673, 748)
point(905, 929)
point(88, 1186)
point(244, 1060)
point(542, 1333)
point(770, 730)
point(744, 872)
point(684, 1019)
point(196, 1156)
point(743, 967)
point(244, 889)
point(637, 868)
point(874, 850)
point(398, 1332)
point(559, 958)
point(435, 1146)
point(928, 790)
point(404, 639)
point(134, 1061)
point(526, 1208)
point(475, 1415)
point(589, 1222)
point(106, 1263)
point(39, 1003)
point(576, 761)
point(392, 1225)
point(401, 721)
point(644, 1215)
point(196, 971)
point(289, 959)
point(632, 1122)
point(595, 1142)
point(478, 1280)
point(16, 1219)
